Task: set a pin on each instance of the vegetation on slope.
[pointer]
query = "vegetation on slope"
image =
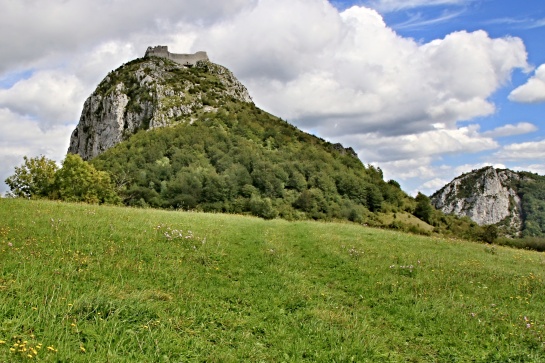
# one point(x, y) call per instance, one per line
point(84, 283)
point(531, 189)
point(233, 157)
point(243, 160)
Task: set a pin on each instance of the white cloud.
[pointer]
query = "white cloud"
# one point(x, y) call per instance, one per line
point(345, 73)
point(533, 168)
point(511, 130)
point(532, 91)
point(466, 168)
point(424, 174)
point(51, 96)
point(532, 150)
point(410, 158)
point(395, 5)
point(33, 30)
point(20, 136)
point(407, 168)
point(433, 185)
point(375, 148)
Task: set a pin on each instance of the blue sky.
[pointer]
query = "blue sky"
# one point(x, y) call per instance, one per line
point(424, 89)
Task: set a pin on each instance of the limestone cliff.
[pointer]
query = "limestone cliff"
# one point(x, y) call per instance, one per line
point(148, 93)
point(487, 196)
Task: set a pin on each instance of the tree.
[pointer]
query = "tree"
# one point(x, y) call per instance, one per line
point(33, 179)
point(490, 233)
point(374, 198)
point(78, 181)
point(423, 209)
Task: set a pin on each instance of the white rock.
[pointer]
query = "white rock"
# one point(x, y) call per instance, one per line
point(110, 116)
point(485, 196)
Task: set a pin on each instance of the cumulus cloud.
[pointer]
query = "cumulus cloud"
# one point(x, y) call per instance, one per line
point(434, 184)
point(533, 168)
point(51, 96)
point(39, 29)
point(375, 148)
point(344, 73)
point(511, 130)
point(532, 150)
point(20, 136)
point(430, 179)
point(532, 91)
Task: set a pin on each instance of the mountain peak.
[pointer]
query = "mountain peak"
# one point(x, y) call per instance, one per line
point(159, 90)
point(487, 196)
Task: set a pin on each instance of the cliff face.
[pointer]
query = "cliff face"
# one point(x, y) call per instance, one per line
point(486, 196)
point(148, 93)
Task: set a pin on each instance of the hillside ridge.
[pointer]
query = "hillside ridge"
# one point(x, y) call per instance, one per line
point(500, 197)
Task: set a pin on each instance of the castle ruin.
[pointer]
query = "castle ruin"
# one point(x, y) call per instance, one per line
point(186, 60)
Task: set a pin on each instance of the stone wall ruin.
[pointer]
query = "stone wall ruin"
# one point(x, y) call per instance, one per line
point(187, 60)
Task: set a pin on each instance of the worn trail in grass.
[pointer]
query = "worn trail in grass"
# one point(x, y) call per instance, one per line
point(88, 283)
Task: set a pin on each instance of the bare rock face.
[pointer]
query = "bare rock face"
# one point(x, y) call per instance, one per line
point(148, 93)
point(486, 196)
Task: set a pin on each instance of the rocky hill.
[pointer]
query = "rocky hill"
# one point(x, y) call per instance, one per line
point(488, 196)
point(149, 93)
point(188, 136)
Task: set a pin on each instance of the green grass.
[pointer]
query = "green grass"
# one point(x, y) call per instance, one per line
point(82, 283)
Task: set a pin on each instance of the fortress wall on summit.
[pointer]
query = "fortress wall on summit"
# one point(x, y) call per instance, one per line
point(187, 60)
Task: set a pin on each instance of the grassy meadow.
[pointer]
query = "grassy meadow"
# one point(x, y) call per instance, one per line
point(84, 283)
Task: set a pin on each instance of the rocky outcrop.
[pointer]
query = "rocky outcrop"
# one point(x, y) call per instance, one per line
point(487, 196)
point(148, 93)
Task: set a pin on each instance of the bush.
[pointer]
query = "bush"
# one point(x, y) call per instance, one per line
point(262, 207)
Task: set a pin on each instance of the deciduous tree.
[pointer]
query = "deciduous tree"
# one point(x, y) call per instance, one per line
point(33, 179)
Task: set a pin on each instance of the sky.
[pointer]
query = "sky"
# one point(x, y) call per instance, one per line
point(424, 89)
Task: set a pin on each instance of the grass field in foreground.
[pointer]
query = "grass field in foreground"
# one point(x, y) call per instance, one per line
point(83, 283)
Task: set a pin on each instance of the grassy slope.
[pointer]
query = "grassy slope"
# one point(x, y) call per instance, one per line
point(83, 283)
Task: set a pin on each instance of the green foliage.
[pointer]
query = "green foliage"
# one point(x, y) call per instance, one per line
point(490, 234)
point(33, 179)
point(243, 160)
point(78, 181)
point(75, 181)
point(527, 243)
point(531, 188)
point(88, 283)
point(424, 209)
point(239, 159)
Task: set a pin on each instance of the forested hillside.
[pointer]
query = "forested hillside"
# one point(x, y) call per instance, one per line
point(242, 159)
point(531, 188)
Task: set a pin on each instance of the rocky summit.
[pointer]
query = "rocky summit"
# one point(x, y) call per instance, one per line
point(148, 93)
point(487, 196)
